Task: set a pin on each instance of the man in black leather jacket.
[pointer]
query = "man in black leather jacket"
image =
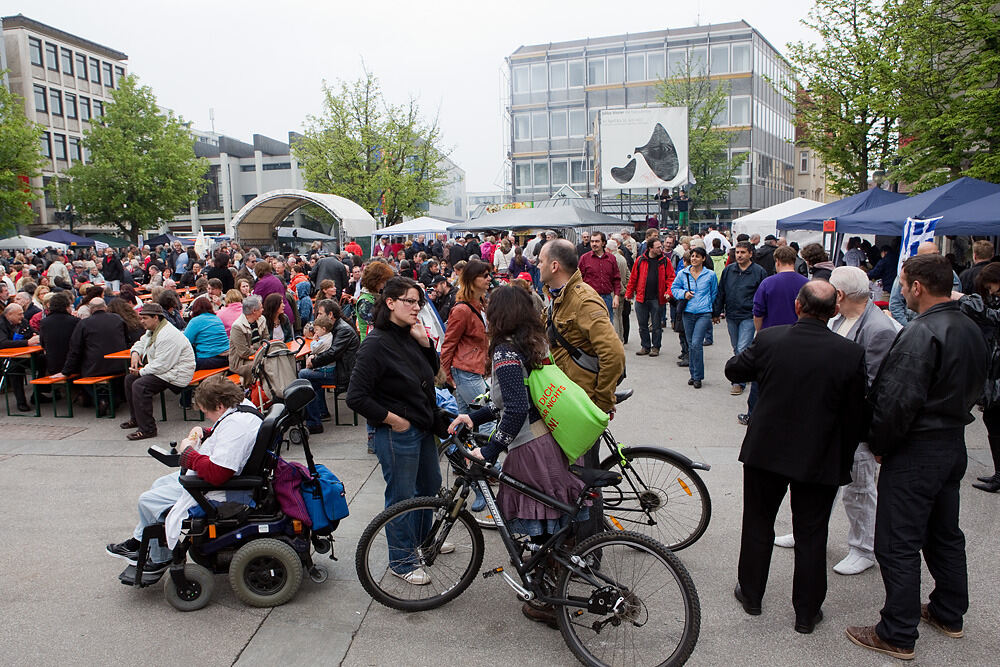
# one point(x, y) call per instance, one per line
point(922, 398)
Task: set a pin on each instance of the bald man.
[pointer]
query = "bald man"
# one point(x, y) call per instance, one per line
point(897, 304)
point(13, 334)
point(802, 440)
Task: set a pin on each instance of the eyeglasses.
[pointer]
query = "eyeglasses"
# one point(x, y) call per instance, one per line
point(410, 302)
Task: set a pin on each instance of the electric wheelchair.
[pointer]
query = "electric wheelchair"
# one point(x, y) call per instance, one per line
point(264, 552)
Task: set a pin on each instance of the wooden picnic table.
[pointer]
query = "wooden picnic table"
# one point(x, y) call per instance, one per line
point(124, 354)
point(7, 355)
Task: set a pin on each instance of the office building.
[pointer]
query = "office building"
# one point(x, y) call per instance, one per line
point(556, 90)
point(65, 81)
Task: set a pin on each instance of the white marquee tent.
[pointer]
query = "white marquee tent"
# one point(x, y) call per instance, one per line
point(29, 243)
point(765, 221)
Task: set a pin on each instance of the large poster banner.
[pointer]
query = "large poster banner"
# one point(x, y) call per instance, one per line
point(643, 148)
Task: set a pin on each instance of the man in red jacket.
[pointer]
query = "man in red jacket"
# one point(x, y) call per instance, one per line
point(649, 284)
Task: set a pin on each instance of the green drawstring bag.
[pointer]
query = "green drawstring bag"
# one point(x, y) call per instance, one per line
point(574, 420)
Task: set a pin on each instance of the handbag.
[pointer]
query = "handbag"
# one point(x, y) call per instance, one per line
point(324, 497)
point(573, 419)
point(677, 324)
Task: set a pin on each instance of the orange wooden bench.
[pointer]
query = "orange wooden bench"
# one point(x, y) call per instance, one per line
point(96, 381)
point(50, 381)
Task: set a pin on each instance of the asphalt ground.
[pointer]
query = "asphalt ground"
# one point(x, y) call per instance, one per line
point(69, 486)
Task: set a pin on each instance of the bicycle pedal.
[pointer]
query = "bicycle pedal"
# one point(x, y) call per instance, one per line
point(489, 573)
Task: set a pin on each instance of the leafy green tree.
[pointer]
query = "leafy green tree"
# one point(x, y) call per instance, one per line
point(708, 147)
point(849, 106)
point(20, 161)
point(142, 168)
point(385, 158)
point(949, 82)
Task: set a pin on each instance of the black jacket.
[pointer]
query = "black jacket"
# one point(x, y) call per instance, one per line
point(765, 257)
point(55, 331)
point(444, 304)
point(223, 274)
point(933, 375)
point(988, 320)
point(394, 373)
point(342, 352)
point(7, 331)
point(112, 269)
point(330, 268)
point(101, 333)
point(810, 414)
point(736, 290)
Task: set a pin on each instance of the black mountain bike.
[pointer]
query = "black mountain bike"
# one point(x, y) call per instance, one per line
point(660, 494)
point(621, 598)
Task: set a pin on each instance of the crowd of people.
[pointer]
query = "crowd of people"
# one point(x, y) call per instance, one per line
point(424, 317)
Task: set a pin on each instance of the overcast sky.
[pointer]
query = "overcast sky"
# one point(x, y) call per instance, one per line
point(260, 65)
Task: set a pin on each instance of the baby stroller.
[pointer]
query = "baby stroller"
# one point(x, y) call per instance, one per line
point(273, 367)
point(263, 550)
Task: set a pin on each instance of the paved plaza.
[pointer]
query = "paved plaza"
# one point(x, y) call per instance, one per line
point(69, 486)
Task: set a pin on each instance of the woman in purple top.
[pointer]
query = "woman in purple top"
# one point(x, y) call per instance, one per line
point(268, 283)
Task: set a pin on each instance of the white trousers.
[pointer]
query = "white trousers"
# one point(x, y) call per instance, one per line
point(860, 498)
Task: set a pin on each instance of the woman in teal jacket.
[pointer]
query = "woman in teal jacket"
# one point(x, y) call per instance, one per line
point(698, 286)
point(207, 335)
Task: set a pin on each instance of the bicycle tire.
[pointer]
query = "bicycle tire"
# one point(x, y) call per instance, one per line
point(679, 500)
point(637, 556)
point(381, 584)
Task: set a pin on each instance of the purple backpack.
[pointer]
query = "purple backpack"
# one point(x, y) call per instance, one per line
point(288, 478)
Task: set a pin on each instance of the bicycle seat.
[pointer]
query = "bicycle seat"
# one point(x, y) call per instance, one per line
point(622, 396)
point(595, 477)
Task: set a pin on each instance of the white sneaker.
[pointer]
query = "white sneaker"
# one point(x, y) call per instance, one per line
point(446, 548)
point(854, 563)
point(785, 541)
point(416, 577)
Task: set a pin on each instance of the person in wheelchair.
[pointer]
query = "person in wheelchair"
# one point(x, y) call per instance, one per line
point(214, 454)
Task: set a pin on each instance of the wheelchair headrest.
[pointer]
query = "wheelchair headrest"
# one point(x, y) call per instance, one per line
point(298, 394)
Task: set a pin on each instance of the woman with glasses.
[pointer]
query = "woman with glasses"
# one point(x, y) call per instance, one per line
point(392, 386)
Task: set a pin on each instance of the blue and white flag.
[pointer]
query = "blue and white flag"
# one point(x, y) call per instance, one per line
point(915, 232)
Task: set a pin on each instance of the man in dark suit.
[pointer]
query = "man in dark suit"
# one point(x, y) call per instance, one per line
point(807, 423)
point(330, 268)
point(56, 330)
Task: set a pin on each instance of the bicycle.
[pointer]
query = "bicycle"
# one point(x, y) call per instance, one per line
point(605, 589)
point(660, 494)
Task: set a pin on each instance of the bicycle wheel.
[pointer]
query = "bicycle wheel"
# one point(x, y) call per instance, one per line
point(659, 496)
point(643, 610)
point(424, 524)
point(483, 517)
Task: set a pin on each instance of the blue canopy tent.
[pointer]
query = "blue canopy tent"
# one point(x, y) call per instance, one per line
point(889, 219)
point(979, 217)
point(812, 220)
point(71, 239)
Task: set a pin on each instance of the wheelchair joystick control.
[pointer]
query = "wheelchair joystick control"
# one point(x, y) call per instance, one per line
point(173, 447)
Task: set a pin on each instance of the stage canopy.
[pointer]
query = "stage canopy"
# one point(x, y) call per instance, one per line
point(256, 221)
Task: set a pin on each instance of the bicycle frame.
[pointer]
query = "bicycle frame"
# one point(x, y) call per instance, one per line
point(477, 472)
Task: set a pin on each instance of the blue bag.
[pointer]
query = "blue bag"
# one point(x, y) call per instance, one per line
point(325, 499)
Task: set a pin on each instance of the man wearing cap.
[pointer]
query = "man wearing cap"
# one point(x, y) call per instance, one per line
point(442, 294)
point(381, 248)
point(765, 254)
point(162, 359)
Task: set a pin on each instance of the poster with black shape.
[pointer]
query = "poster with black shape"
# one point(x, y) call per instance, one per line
point(643, 148)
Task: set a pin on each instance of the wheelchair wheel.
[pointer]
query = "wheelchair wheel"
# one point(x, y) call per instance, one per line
point(194, 596)
point(265, 573)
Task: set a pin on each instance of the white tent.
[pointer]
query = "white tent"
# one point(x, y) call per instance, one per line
point(29, 243)
point(765, 221)
point(422, 225)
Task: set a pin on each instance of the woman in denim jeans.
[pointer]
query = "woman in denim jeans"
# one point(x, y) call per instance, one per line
point(392, 386)
point(698, 286)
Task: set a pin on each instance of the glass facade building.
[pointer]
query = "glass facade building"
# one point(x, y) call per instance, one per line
point(556, 90)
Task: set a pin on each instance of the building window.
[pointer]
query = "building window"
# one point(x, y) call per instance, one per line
point(741, 57)
point(595, 71)
point(539, 125)
point(98, 109)
point(81, 66)
point(119, 75)
point(51, 56)
point(742, 174)
point(577, 174)
point(70, 100)
point(803, 162)
point(740, 110)
point(276, 166)
point(84, 108)
point(722, 118)
point(616, 69)
point(559, 173)
point(720, 59)
point(577, 74)
point(66, 61)
point(522, 126)
point(59, 143)
point(637, 67)
point(74, 149)
point(46, 145)
point(95, 70)
point(55, 102)
point(655, 69)
point(540, 172)
point(577, 123)
point(699, 60)
point(522, 79)
point(676, 62)
point(522, 175)
point(35, 50)
point(557, 75)
point(539, 80)
point(108, 79)
point(41, 103)
point(557, 124)
point(248, 167)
